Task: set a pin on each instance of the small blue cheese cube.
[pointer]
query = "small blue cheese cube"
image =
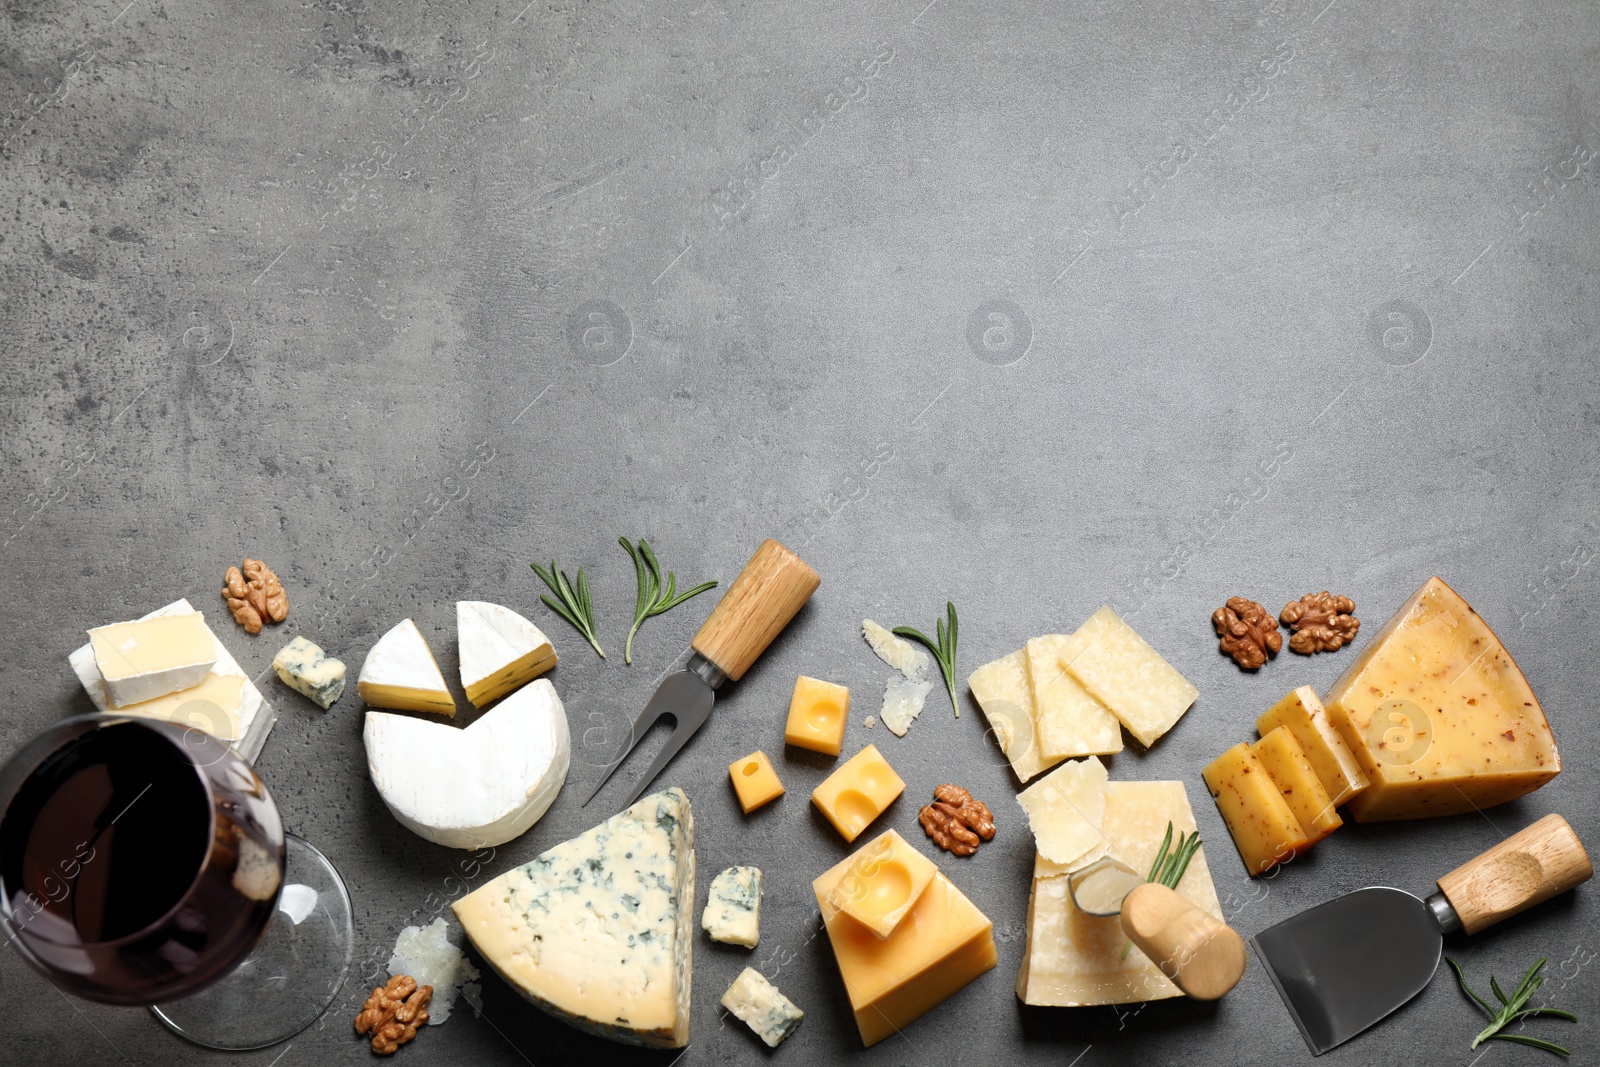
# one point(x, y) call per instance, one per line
point(759, 1005)
point(309, 671)
point(733, 907)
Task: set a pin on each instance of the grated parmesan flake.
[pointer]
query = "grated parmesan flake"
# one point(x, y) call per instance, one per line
point(426, 954)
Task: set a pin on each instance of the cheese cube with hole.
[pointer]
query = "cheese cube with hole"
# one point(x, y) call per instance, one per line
point(886, 878)
point(151, 657)
point(1069, 721)
point(941, 945)
point(818, 712)
point(400, 673)
point(1286, 764)
point(1302, 713)
point(858, 792)
point(757, 1003)
point(1117, 667)
point(500, 650)
point(733, 907)
point(1064, 810)
point(309, 671)
point(1001, 689)
point(1264, 829)
point(1071, 959)
point(754, 781)
point(598, 931)
point(1439, 715)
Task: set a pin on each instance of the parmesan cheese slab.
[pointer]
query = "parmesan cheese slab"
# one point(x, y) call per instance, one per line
point(1070, 721)
point(1001, 688)
point(1065, 809)
point(1074, 960)
point(1125, 674)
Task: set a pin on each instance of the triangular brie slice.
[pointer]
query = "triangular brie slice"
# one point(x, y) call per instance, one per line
point(598, 930)
point(400, 673)
point(500, 650)
point(473, 788)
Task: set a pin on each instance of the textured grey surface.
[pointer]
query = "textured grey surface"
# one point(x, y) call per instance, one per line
point(400, 298)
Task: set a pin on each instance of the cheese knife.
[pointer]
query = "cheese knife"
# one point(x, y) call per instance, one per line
point(1343, 966)
point(773, 586)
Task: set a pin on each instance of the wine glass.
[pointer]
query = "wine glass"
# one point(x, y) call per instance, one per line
point(143, 862)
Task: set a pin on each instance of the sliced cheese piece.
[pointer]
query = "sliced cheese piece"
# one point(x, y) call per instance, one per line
point(213, 706)
point(1072, 959)
point(255, 717)
point(1304, 716)
point(1065, 809)
point(151, 657)
point(896, 651)
point(1116, 666)
point(903, 700)
point(1439, 716)
point(500, 650)
point(757, 1003)
point(733, 907)
point(1001, 688)
point(1286, 764)
point(473, 788)
point(1070, 721)
point(598, 931)
point(400, 673)
point(1264, 827)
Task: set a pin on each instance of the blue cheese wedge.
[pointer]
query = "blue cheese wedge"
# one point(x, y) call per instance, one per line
point(598, 931)
point(758, 1004)
point(309, 671)
point(733, 907)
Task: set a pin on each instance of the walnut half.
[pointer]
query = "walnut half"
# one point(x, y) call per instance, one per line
point(1247, 632)
point(254, 596)
point(1321, 622)
point(956, 820)
point(393, 1013)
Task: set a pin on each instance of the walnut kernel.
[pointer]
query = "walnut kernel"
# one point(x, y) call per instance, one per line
point(956, 820)
point(393, 1013)
point(1321, 622)
point(254, 596)
point(1247, 632)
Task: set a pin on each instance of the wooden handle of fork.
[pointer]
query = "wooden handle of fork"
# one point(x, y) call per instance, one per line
point(773, 586)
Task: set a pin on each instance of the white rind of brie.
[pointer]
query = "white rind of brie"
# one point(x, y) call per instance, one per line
point(500, 650)
point(478, 787)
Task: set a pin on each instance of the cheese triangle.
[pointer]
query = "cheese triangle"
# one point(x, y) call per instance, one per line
point(400, 673)
point(598, 930)
point(500, 650)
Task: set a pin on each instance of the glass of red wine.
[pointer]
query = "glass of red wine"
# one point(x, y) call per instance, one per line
point(143, 862)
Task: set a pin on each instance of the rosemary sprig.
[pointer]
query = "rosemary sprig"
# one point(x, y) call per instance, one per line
point(1170, 863)
point(653, 600)
point(944, 649)
point(1512, 1009)
point(575, 604)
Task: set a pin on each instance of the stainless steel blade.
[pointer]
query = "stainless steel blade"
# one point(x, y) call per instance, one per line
point(687, 698)
point(1343, 966)
point(1098, 889)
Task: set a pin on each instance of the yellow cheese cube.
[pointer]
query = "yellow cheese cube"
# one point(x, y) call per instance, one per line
point(1075, 960)
point(1001, 688)
point(1439, 716)
point(1068, 721)
point(754, 781)
point(1264, 830)
point(818, 712)
point(1304, 716)
point(1117, 667)
point(1286, 764)
point(884, 881)
point(858, 792)
point(943, 943)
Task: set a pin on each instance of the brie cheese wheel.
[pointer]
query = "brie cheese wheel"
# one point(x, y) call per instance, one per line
point(477, 787)
point(500, 650)
point(149, 658)
point(400, 673)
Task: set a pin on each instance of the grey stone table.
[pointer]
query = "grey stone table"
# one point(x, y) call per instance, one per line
point(1031, 307)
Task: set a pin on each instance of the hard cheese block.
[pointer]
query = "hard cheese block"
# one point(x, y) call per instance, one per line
point(478, 787)
point(243, 723)
point(1285, 762)
point(1068, 721)
point(1116, 666)
point(151, 657)
point(1072, 959)
point(943, 943)
point(1264, 828)
point(1438, 715)
point(598, 931)
point(733, 907)
point(400, 673)
point(500, 650)
point(1304, 716)
point(757, 1003)
point(1001, 688)
point(883, 883)
point(1065, 809)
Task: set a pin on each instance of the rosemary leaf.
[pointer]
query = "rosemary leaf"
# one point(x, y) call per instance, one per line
point(1513, 1009)
point(573, 602)
point(943, 649)
point(653, 599)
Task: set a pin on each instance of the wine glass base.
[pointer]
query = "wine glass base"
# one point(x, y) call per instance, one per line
point(291, 977)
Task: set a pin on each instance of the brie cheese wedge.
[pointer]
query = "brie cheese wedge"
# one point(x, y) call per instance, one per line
point(149, 658)
point(400, 673)
point(478, 787)
point(500, 650)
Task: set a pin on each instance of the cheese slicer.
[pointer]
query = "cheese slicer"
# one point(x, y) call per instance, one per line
point(768, 592)
point(1343, 966)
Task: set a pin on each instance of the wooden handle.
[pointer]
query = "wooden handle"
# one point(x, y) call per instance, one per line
point(1199, 952)
point(774, 585)
point(1527, 868)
